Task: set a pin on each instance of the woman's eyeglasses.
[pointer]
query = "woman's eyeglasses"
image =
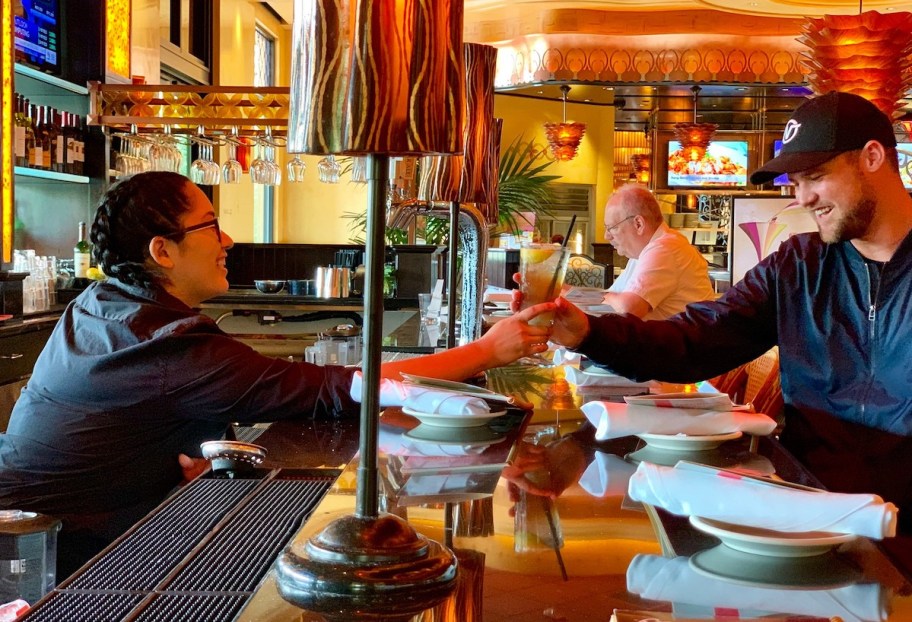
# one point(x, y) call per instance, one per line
point(203, 225)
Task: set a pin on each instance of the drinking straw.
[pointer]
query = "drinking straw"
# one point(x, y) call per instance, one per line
point(557, 270)
point(548, 505)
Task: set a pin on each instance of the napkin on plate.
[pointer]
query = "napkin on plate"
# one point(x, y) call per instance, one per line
point(423, 399)
point(602, 379)
point(675, 581)
point(703, 401)
point(730, 499)
point(606, 476)
point(613, 420)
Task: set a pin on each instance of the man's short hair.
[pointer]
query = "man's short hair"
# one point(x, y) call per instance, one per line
point(639, 201)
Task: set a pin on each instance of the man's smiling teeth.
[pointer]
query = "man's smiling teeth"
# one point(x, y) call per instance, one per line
point(822, 211)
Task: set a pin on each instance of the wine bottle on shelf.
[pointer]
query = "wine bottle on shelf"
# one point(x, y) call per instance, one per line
point(19, 132)
point(82, 259)
point(48, 137)
point(33, 138)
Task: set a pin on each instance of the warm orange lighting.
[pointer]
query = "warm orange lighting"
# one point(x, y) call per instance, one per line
point(640, 163)
point(695, 137)
point(6, 124)
point(564, 138)
point(864, 54)
point(117, 35)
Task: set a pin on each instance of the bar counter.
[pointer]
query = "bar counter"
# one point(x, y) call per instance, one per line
point(509, 569)
point(583, 553)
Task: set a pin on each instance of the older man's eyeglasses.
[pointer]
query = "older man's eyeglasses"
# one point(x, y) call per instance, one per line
point(203, 225)
point(614, 227)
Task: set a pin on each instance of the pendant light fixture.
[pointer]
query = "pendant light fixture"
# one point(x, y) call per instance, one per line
point(695, 137)
point(865, 54)
point(564, 138)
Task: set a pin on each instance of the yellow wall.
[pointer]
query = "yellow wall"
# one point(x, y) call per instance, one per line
point(308, 212)
point(594, 163)
point(311, 212)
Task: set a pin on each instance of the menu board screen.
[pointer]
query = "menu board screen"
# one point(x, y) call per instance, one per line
point(37, 38)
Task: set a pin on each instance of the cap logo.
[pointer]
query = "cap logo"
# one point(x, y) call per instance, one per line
point(790, 131)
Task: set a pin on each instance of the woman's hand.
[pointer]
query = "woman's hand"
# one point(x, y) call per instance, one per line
point(570, 325)
point(513, 338)
point(192, 467)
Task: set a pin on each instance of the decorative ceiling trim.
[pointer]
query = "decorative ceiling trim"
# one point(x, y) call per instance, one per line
point(540, 61)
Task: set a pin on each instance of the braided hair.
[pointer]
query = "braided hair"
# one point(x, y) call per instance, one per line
point(131, 213)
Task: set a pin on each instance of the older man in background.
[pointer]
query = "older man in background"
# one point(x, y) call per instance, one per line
point(665, 272)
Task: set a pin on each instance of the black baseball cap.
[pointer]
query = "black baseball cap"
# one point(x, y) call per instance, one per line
point(823, 127)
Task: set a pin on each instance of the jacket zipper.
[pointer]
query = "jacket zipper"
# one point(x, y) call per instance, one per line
point(872, 323)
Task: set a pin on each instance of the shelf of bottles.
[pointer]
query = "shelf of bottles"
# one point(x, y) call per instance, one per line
point(185, 109)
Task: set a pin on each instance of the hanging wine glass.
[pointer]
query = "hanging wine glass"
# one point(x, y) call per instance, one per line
point(232, 169)
point(275, 172)
point(296, 169)
point(258, 167)
point(163, 152)
point(329, 170)
point(203, 170)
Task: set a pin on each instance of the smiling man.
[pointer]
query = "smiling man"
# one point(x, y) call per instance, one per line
point(665, 272)
point(836, 302)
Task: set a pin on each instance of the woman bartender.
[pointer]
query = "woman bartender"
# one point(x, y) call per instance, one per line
point(132, 376)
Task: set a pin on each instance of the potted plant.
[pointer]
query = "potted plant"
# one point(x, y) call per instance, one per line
point(523, 187)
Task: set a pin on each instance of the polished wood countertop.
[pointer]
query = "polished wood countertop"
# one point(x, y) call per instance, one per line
point(509, 573)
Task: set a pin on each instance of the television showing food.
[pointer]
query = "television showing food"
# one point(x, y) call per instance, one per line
point(723, 165)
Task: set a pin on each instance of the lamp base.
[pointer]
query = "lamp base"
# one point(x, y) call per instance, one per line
point(367, 567)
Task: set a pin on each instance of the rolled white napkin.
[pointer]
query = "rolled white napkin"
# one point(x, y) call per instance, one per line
point(673, 580)
point(582, 379)
point(606, 476)
point(422, 399)
point(612, 420)
point(727, 498)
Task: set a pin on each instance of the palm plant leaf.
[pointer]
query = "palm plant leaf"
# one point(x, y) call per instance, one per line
point(522, 186)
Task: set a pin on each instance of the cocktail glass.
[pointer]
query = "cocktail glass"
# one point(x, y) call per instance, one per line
point(541, 269)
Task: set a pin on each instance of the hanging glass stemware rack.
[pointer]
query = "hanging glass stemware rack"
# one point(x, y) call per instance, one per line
point(185, 108)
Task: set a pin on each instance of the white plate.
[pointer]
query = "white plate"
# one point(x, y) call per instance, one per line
point(453, 421)
point(461, 387)
point(598, 371)
point(685, 442)
point(819, 572)
point(768, 542)
point(477, 436)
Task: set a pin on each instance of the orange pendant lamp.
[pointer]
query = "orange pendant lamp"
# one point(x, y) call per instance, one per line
point(695, 137)
point(865, 54)
point(564, 138)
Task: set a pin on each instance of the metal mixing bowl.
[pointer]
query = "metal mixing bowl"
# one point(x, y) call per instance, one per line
point(232, 455)
point(269, 287)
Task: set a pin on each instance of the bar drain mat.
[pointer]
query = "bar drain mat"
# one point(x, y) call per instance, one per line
point(200, 556)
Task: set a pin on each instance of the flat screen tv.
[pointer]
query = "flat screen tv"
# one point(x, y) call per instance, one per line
point(724, 165)
point(905, 163)
point(782, 180)
point(37, 38)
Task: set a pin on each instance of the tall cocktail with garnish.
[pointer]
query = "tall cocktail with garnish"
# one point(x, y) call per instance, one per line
point(542, 268)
